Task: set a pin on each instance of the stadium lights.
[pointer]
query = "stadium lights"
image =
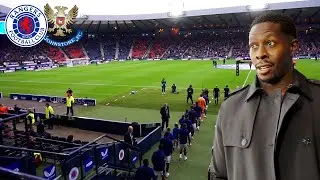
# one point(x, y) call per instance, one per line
point(257, 6)
point(176, 8)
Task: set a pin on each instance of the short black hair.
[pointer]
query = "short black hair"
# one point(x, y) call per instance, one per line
point(286, 23)
point(146, 162)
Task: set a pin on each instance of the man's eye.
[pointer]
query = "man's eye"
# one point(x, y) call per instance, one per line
point(270, 43)
point(253, 46)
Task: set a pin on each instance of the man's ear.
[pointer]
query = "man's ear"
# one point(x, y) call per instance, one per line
point(294, 46)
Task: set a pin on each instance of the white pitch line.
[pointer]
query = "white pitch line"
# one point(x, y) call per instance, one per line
point(246, 78)
point(84, 84)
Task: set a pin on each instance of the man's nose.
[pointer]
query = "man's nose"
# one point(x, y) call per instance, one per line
point(261, 53)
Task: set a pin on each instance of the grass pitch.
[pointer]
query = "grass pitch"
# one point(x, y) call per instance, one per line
point(112, 83)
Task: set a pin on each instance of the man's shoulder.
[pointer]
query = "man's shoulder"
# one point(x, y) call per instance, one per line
point(239, 92)
point(314, 82)
point(236, 97)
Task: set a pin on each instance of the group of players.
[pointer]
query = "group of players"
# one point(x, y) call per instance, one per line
point(190, 91)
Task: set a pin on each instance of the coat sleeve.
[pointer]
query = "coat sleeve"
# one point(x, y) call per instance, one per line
point(218, 168)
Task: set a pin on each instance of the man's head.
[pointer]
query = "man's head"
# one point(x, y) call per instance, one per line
point(165, 104)
point(226, 86)
point(166, 134)
point(272, 43)
point(190, 86)
point(130, 129)
point(47, 105)
point(191, 107)
point(146, 162)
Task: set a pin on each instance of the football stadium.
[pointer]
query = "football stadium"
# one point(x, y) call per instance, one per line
point(133, 91)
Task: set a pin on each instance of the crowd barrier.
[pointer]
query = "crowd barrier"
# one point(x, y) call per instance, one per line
point(51, 99)
point(104, 126)
point(77, 162)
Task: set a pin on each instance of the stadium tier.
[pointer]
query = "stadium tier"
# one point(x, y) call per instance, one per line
point(204, 46)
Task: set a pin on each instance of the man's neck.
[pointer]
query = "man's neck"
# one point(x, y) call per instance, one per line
point(282, 84)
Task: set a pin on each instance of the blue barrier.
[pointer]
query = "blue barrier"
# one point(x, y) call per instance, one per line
point(105, 126)
point(52, 99)
point(151, 139)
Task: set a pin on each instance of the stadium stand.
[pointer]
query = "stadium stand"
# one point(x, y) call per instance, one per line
point(109, 48)
point(159, 47)
point(92, 46)
point(124, 47)
point(74, 51)
point(140, 47)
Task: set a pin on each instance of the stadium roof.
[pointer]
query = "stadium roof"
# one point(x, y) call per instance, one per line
point(213, 21)
point(214, 18)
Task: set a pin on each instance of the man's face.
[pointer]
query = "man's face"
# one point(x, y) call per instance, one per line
point(271, 51)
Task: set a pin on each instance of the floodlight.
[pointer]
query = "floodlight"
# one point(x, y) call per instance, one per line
point(257, 6)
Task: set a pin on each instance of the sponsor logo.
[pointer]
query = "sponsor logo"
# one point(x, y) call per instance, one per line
point(121, 154)
point(74, 173)
point(50, 172)
point(26, 25)
point(104, 153)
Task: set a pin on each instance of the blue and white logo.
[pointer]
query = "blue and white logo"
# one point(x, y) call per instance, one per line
point(88, 164)
point(49, 172)
point(104, 153)
point(14, 166)
point(26, 25)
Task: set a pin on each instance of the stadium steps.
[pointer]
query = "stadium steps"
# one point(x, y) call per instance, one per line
point(131, 49)
point(64, 53)
point(84, 51)
point(230, 52)
point(116, 56)
point(101, 50)
point(146, 54)
point(165, 51)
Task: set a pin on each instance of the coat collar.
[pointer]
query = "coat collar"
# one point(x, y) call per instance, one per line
point(299, 86)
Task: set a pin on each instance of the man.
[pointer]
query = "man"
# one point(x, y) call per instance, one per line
point(165, 116)
point(145, 172)
point(192, 114)
point(158, 161)
point(167, 145)
point(30, 118)
point(70, 102)
point(49, 115)
point(190, 93)
point(270, 129)
point(226, 92)
point(250, 64)
point(198, 110)
point(184, 139)
point(163, 86)
point(3, 109)
point(174, 89)
point(69, 91)
point(202, 103)
point(129, 138)
point(216, 93)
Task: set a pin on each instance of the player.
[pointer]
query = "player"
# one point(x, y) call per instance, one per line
point(163, 86)
point(190, 93)
point(175, 133)
point(184, 139)
point(174, 89)
point(167, 150)
point(216, 93)
point(226, 92)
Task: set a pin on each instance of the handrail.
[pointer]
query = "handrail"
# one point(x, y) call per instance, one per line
point(32, 150)
point(103, 136)
point(51, 140)
point(12, 117)
point(149, 134)
point(22, 175)
point(132, 147)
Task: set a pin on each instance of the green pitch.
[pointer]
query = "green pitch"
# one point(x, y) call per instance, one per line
point(112, 83)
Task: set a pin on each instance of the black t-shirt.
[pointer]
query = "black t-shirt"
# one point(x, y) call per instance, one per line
point(216, 91)
point(226, 91)
point(190, 91)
